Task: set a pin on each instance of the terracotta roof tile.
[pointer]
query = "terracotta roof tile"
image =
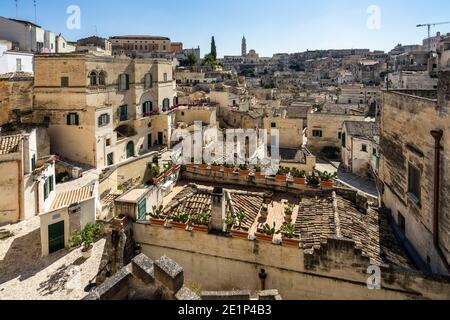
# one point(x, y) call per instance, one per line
point(68, 198)
point(10, 144)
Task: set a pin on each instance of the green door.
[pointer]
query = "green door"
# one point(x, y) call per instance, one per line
point(56, 237)
point(142, 210)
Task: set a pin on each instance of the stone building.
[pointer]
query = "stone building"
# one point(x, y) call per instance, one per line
point(360, 147)
point(414, 169)
point(16, 96)
point(94, 44)
point(290, 130)
point(133, 45)
point(104, 110)
point(325, 124)
point(27, 174)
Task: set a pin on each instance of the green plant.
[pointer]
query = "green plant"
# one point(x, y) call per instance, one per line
point(313, 180)
point(180, 217)
point(157, 212)
point(243, 167)
point(325, 176)
point(155, 171)
point(86, 236)
point(240, 216)
point(229, 222)
point(270, 230)
point(288, 230)
point(268, 193)
point(200, 219)
point(289, 209)
point(298, 174)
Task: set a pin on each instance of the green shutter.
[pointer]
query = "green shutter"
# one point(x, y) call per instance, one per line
point(142, 210)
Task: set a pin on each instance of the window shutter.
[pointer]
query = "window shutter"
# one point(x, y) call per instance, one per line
point(127, 86)
point(68, 119)
point(77, 120)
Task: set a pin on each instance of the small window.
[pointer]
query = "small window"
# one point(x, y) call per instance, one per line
point(273, 125)
point(51, 185)
point(93, 78)
point(166, 104)
point(33, 163)
point(64, 82)
point(317, 133)
point(148, 81)
point(165, 77)
point(108, 142)
point(401, 222)
point(364, 148)
point(110, 159)
point(414, 177)
point(104, 120)
point(123, 113)
point(102, 78)
point(339, 135)
point(147, 108)
point(124, 82)
point(73, 119)
point(19, 64)
point(374, 151)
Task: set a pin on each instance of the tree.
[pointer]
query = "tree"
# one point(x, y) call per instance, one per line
point(213, 48)
point(192, 59)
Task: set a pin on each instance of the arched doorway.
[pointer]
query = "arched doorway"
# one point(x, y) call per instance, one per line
point(130, 149)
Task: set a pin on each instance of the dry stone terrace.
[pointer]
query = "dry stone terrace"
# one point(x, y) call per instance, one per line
point(316, 218)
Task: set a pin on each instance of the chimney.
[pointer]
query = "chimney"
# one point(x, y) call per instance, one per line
point(217, 210)
point(444, 91)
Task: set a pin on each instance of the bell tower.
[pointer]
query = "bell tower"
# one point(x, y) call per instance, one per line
point(244, 47)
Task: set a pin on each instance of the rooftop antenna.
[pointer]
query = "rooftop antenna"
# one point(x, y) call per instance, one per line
point(35, 11)
point(17, 8)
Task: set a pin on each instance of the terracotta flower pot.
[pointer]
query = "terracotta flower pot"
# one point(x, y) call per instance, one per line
point(157, 222)
point(259, 174)
point(280, 178)
point(199, 228)
point(215, 168)
point(228, 170)
point(244, 172)
point(299, 180)
point(178, 225)
point(239, 234)
point(290, 242)
point(263, 237)
point(327, 184)
point(203, 166)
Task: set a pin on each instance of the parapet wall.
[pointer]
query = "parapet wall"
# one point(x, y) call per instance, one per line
point(335, 270)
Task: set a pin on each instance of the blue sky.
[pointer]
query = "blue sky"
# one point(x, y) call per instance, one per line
point(270, 26)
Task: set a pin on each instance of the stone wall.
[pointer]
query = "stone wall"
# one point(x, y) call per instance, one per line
point(15, 94)
point(336, 270)
point(405, 139)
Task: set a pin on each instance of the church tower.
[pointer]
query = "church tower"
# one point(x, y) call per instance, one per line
point(244, 47)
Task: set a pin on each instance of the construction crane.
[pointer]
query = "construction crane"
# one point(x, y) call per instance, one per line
point(429, 25)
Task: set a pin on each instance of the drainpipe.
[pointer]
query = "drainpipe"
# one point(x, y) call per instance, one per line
point(437, 135)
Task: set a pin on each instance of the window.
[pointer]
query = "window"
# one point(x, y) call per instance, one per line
point(414, 177)
point(344, 140)
point(104, 120)
point(102, 78)
point(175, 101)
point(33, 163)
point(123, 113)
point(317, 133)
point(73, 119)
point(19, 64)
point(273, 125)
point(64, 82)
point(374, 152)
point(142, 209)
point(364, 148)
point(401, 222)
point(148, 81)
point(166, 104)
point(339, 135)
point(147, 108)
point(93, 78)
point(108, 142)
point(124, 82)
point(51, 185)
point(64, 45)
point(48, 187)
point(165, 77)
point(45, 189)
point(130, 149)
point(110, 159)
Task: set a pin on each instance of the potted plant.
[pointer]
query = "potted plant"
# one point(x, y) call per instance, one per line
point(326, 179)
point(200, 222)
point(229, 223)
point(179, 220)
point(204, 165)
point(268, 196)
point(281, 174)
point(288, 211)
point(313, 181)
point(239, 232)
point(264, 211)
point(228, 168)
point(156, 216)
point(258, 172)
point(86, 237)
point(243, 170)
point(215, 167)
point(299, 176)
point(267, 232)
point(288, 235)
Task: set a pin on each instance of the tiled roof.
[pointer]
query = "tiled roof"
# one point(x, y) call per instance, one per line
point(250, 204)
point(370, 231)
point(140, 37)
point(362, 129)
point(191, 201)
point(68, 198)
point(10, 144)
